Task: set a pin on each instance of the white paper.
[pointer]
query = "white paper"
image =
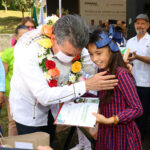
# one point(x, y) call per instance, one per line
point(78, 114)
point(23, 145)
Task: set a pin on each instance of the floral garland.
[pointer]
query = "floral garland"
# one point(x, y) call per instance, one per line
point(46, 57)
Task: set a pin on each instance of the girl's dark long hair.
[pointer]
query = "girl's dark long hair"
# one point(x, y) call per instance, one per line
point(116, 60)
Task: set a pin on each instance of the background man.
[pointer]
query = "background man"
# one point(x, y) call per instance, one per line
point(140, 49)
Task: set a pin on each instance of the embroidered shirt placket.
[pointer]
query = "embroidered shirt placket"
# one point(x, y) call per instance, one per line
point(61, 98)
point(74, 90)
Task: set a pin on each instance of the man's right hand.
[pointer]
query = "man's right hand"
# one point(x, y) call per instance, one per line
point(101, 81)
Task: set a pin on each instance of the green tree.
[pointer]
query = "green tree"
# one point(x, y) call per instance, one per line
point(1, 7)
point(5, 4)
point(13, 5)
point(24, 5)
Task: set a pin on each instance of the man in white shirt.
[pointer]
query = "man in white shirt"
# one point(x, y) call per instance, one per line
point(31, 97)
point(140, 49)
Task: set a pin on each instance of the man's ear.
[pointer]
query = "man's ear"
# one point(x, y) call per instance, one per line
point(53, 38)
point(54, 41)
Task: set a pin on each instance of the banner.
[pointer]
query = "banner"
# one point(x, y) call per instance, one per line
point(34, 15)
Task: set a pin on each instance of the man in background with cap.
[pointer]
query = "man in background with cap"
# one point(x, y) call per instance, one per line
point(140, 56)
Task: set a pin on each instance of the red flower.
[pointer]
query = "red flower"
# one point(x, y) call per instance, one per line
point(52, 83)
point(77, 58)
point(50, 64)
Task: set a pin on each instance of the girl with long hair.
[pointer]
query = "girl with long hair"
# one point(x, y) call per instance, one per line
point(118, 107)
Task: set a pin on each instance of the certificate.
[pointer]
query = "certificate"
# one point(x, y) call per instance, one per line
point(78, 112)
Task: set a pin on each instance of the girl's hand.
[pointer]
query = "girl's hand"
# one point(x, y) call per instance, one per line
point(100, 118)
point(103, 120)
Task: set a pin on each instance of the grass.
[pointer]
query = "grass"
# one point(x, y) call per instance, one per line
point(9, 20)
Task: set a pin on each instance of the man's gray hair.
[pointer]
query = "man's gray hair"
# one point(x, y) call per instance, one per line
point(72, 28)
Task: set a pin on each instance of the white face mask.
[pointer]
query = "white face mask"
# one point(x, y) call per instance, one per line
point(63, 57)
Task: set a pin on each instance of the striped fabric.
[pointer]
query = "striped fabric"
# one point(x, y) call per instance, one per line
point(126, 105)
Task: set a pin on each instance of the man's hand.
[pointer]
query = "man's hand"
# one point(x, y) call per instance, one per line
point(133, 57)
point(144, 59)
point(100, 81)
point(44, 148)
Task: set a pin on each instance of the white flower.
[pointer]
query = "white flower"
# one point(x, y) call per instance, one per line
point(72, 78)
point(42, 51)
point(48, 77)
point(49, 56)
point(53, 18)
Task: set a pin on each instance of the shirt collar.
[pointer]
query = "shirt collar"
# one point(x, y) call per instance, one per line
point(146, 36)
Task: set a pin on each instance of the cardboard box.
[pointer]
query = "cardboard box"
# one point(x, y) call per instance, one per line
point(26, 141)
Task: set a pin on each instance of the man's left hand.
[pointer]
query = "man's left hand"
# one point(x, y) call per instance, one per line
point(133, 57)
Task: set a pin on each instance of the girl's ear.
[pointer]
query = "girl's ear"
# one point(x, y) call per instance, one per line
point(14, 35)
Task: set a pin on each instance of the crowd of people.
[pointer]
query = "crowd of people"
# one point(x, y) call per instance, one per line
point(33, 94)
point(106, 25)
